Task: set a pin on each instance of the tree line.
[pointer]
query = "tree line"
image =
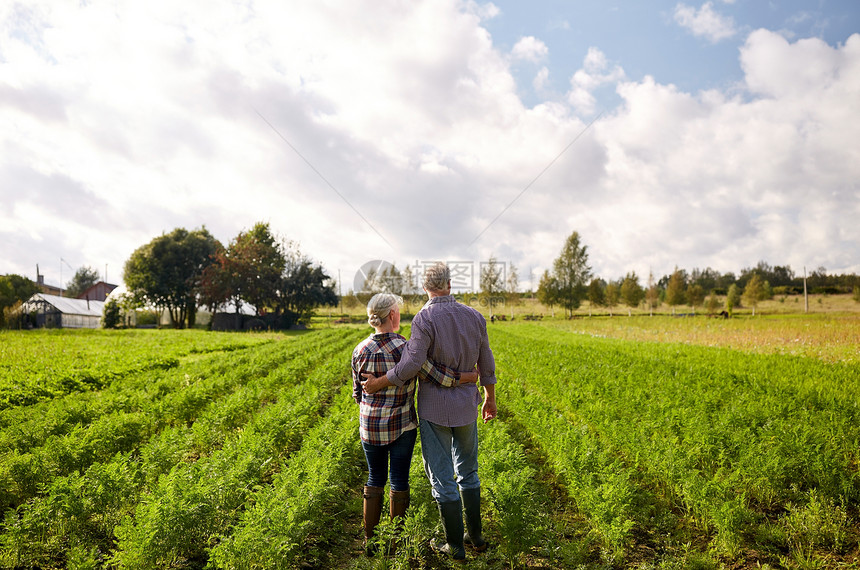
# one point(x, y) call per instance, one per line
point(571, 281)
point(495, 284)
point(183, 270)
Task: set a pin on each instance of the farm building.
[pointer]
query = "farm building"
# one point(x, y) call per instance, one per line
point(98, 292)
point(51, 311)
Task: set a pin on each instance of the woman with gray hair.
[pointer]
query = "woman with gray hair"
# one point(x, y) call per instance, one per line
point(387, 419)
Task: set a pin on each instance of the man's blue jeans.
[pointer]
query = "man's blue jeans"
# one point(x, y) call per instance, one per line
point(450, 459)
point(400, 451)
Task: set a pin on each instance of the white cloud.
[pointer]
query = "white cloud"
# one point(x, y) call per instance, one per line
point(594, 73)
point(774, 177)
point(530, 49)
point(124, 120)
point(486, 11)
point(705, 22)
point(541, 80)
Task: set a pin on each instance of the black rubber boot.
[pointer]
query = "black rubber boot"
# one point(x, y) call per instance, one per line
point(474, 532)
point(452, 521)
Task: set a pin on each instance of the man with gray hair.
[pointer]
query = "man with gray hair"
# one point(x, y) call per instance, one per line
point(455, 335)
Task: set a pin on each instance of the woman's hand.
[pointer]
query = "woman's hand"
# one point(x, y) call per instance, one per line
point(470, 377)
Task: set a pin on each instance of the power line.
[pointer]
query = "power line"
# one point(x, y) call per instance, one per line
point(535, 179)
point(324, 179)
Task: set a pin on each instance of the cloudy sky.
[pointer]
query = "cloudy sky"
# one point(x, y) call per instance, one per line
point(666, 133)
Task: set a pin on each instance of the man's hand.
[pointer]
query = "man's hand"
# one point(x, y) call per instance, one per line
point(373, 384)
point(488, 410)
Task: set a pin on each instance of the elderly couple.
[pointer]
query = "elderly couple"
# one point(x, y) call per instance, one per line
point(448, 340)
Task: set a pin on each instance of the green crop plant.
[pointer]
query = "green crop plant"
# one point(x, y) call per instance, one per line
point(725, 433)
point(197, 502)
point(51, 363)
point(511, 493)
point(30, 532)
point(606, 452)
point(303, 498)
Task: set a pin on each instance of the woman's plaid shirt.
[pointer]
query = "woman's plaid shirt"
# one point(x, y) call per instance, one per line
point(385, 415)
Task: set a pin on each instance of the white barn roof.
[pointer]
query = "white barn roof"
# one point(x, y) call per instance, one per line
point(69, 306)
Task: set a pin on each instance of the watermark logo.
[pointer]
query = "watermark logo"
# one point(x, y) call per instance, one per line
point(378, 275)
point(369, 273)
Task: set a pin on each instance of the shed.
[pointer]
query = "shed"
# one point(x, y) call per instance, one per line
point(52, 311)
point(98, 292)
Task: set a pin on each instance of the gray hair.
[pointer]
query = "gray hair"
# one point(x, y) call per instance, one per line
point(436, 277)
point(379, 307)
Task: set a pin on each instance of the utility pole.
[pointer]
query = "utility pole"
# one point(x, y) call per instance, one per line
point(805, 296)
point(532, 287)
point(61, 274)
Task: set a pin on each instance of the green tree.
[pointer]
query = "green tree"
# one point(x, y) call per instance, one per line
point(713, 303)
point(384, 279)
point(631, 290)
point(547, 292)
point(652, 294)
point(14, 290)
point(733, 298)
point(258, 262)
point(675, 290)
point(248, 271)
point(111, 314)
point(695, 296)
point(613, 295)
point(412, 292)
point(707, 278)
point(84, 278)
point(304, 287)
point(219, 284)
point(167, 272)
point(512, 284)
point(596, 294)
point(492, 282)
point(754, 292)
point(572, 272)
point(409, 287)
point(389, 280)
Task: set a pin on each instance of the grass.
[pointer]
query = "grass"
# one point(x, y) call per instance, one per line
point(619, 444)
point(830, 331)
point(829, 337)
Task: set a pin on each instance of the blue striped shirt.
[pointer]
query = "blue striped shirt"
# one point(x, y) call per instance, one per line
point(451, 334)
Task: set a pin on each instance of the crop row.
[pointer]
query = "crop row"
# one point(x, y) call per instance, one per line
point(251, 459)
point(221, 456)
point(705, 440)
point(42, 365)
point(142, 408)
point(28, 426)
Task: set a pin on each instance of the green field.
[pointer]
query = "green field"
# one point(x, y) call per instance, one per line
point(643, 442)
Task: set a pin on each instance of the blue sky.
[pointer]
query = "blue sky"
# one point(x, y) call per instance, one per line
point(726, 131)
point(652, 38)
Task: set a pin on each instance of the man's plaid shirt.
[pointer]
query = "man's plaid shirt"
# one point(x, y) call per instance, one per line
point(389, 412)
